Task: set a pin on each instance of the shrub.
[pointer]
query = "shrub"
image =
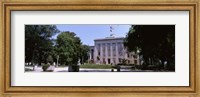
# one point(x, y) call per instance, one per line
point(45, 66)
point(138, 66)
point(126, 64)
point(124, 61)
point(98, 58)
point(120, 64)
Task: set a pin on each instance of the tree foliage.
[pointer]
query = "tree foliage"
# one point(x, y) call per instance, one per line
point(68, 47)
point(41, 47)
point(154, 43)
point(84, 53)
point(50, 59)
point(38, 42)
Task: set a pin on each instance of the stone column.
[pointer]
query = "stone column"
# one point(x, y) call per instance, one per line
point(111, 54)
point(101, 53)
point(117, 54)
point(106, 53)
point(90, 54)
point(95, 53)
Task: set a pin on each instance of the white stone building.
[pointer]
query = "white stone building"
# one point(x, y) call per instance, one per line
point(111, 50)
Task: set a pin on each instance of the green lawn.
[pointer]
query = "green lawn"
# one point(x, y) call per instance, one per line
point(96, 66)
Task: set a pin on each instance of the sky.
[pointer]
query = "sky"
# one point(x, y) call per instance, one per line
point(89, 32)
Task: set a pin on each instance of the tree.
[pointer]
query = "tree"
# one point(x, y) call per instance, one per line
point(68, 47)
point(38, 42)
point(84, 53)
point(155, 43)
point(50, 59)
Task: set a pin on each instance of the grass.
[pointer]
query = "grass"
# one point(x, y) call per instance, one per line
point(61, 66)
point(96, 66)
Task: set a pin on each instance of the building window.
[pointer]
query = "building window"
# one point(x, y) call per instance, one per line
point(108, 61)
point(135, 61)
point(135, 56)
point(120, 60)
point(129, 61)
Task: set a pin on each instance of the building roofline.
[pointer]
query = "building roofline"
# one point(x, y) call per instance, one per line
point(109, 38)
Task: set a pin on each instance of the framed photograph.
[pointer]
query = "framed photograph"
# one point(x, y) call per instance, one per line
point(100, 48)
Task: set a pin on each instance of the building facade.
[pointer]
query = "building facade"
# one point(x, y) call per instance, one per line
point(111, 50)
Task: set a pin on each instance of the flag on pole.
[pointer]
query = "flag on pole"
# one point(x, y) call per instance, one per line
point(111, 28)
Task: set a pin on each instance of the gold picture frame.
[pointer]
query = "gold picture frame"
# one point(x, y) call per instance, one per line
point(193, 90)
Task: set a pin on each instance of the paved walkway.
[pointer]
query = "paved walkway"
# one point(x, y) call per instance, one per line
point(65, 69)
point(57, 69)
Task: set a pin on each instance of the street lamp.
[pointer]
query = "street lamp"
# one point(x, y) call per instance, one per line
point(57, 60)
